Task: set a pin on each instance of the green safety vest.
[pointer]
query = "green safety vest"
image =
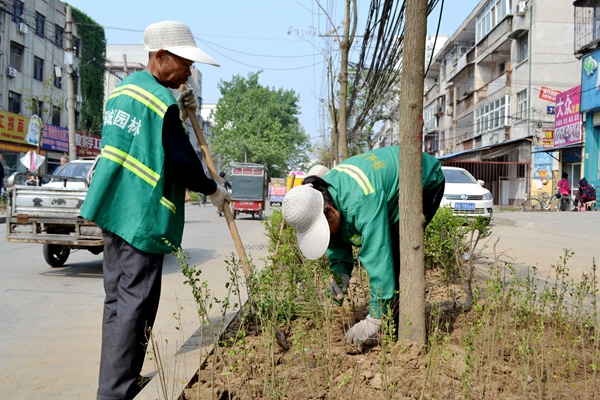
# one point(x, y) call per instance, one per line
point(365, 190)
point(128, 195)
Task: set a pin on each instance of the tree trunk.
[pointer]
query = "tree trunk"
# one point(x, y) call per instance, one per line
point(412, 271)
point(345, 44)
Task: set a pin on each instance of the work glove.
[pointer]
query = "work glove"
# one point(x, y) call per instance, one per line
point(186, 100)
point(219, 197)
point(338, 293)
point(363, 332)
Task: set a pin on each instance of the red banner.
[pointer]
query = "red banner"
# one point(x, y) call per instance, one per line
point(548, 94)
point(88, 144)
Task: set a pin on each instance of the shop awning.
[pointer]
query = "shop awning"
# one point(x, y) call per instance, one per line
point(500, 149)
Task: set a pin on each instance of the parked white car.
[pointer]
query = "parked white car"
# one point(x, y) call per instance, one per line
point(79, 168)
point(466, 195)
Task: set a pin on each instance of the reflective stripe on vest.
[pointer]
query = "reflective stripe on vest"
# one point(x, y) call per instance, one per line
point(141, 95)
point(359, 176)
point(165, 202)
point(356, 239)
point(131, 163)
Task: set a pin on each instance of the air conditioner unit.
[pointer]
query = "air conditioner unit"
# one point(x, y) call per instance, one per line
point(522, 8)
point(22, 27)
point(11, 72)
point(449, 111)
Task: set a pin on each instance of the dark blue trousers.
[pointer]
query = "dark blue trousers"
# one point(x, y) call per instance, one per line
point(132, 280)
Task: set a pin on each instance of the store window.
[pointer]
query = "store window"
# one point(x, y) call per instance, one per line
point(522, 105)
point(16, 56)
point(57, 76)
point(58, 35)
point(14, 102)
point(40, 24)
point(56, 116)
point(17, 11)
point(38, 68)
point(522, 47)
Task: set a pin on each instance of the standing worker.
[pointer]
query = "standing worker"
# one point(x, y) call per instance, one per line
point(356, 204)
point(137, 197)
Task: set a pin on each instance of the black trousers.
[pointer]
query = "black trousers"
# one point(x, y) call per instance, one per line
point(431, 202)
point(132, 281)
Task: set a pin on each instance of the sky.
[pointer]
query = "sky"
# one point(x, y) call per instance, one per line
point(283, 38)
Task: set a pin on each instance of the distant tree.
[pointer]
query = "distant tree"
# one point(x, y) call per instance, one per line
point(257, 124)
point(91, 70)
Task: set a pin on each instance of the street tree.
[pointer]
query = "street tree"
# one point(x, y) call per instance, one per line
point(258, 124)
point(43, 105)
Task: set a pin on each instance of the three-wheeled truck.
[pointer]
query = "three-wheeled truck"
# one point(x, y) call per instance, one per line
point(249, 189)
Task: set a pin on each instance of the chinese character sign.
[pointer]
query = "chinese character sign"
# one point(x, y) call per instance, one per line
point(548, 94)
point(55, 138)
point(548, 138)
point(87, 144)
point(567, 117)
point(13, 127)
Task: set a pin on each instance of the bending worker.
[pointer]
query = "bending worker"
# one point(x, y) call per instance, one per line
point(137, 197)
point(356, 204)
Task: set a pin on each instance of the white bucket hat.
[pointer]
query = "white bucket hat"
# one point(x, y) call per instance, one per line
point(318, 170)
point(175, 37)
point(302, 208)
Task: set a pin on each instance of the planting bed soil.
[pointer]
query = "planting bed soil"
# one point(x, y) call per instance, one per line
point(318, 365)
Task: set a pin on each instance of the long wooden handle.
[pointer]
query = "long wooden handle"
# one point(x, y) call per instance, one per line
point(235, 235)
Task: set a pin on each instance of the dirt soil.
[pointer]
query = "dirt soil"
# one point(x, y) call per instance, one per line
point(319, 365)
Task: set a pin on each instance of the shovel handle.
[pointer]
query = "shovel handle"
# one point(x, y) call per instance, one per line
point(226, 209)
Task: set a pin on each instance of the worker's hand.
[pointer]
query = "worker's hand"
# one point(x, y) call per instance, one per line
point(363, 331)
point(186, 100)
point(338, 293)
point(219, 197)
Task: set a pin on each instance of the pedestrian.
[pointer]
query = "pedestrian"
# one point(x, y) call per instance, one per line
point(137, 197)
point(224, 181)
point(563, 185)
point(64, 160)
point(2, 183)
point(356, 204)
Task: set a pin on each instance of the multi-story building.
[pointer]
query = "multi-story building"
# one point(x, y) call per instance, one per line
point(32, 52)
point(490, 92)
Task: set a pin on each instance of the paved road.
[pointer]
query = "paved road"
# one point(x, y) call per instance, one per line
point(540, 239)
point(51, 318)
point(50, 329)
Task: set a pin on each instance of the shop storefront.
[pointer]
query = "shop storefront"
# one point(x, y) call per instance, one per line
point(17, 137)
point(19, 134)
point(564, 144)
point(590, 106)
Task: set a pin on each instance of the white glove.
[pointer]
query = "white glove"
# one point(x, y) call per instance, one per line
point(186, 100)
point(363, 331)
point(336, 292)
point(219, 197)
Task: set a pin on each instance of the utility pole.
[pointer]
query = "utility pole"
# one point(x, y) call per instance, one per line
point(411, 324)
point(70, 91)
point(125, 70)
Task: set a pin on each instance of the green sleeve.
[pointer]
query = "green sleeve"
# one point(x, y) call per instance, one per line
point(340, 258)
point(371, 220)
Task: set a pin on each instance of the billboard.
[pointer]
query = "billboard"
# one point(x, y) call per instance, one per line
point(567, 117)
point(13, 127)
point(590, 82)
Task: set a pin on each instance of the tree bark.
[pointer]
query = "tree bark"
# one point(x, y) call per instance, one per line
point(412, 271)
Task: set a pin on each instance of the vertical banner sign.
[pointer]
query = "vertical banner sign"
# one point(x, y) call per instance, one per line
point(567, 117)
point(542, 167)
point(548, 138)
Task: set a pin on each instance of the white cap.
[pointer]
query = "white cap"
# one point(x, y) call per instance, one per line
point(175, 37)
point(318, 170)
point(302, 208)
